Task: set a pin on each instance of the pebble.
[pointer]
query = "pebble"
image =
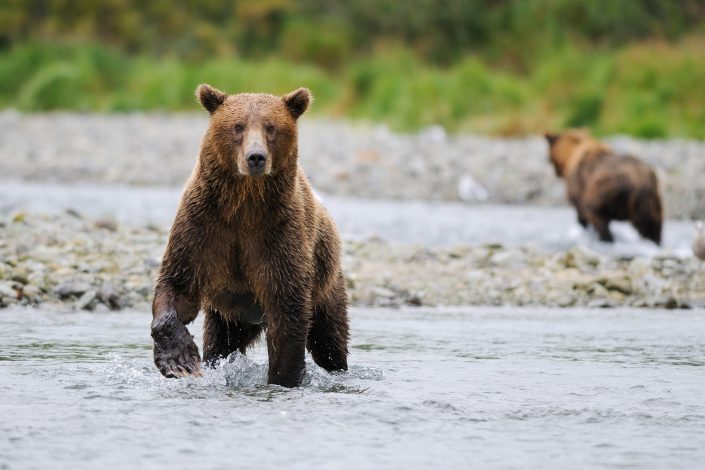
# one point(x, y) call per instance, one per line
point(110, 296)
point(7, 290)
point(71, 289)
point(619, 283)
point(107, 224)
point(86, 301)
point(600, 303)
point(116, 270)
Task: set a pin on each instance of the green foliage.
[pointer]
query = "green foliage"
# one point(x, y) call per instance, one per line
point(499, 66)
point(329, 32)
point(649, 90)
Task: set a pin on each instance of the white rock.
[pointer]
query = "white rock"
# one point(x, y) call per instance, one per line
point(470, 190)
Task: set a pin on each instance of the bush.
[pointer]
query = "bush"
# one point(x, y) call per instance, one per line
point(651, 89)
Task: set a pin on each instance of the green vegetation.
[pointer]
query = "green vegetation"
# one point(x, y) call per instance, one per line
point(501, 67)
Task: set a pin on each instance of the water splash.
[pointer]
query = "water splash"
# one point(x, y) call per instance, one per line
point(236, 373)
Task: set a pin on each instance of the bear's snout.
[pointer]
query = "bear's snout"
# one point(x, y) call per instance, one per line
point(256, 161)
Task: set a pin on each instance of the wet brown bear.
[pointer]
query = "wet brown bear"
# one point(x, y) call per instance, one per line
point(251, 247)
point(604, 186)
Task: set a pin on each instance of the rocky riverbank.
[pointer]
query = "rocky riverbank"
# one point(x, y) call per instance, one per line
point(340, 158)
point(98, 265)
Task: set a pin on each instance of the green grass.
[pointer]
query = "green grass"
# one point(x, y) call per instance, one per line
point(648, 89)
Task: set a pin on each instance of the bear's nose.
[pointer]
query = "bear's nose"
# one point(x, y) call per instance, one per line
point(256, 160)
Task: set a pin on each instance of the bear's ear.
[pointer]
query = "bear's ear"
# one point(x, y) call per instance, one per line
point(551, 138)
point(297, 101)
point(210, 98)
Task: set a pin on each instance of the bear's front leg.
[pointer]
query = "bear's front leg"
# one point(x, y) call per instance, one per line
point(175, 352)
point(287, 324)
point(278, 265)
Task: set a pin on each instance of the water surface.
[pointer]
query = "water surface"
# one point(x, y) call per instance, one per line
point(427, 388)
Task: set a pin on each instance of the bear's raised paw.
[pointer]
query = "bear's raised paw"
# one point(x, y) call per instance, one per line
point(175, 352)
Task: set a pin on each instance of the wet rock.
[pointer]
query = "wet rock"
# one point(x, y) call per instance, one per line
point(19, 217)
point(152, 263)
point(22, 249)
point(618, 283)
point(415, 299)
point(579, 258)
point(74, 213)
point(560, 299)
point(110, 297)
point(350, 280)
point(7, 290)
point(106, 223)
point(380, 291)
point(508, 258)
point(470, 190)
point(101, 308)
point(71, 289)
point(37, 279)
point(31, 292)
point(600, 303)
point(20, 277)
point(87, 301)
point(663, 301)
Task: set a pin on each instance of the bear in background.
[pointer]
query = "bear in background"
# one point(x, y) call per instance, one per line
point(252, 247)
point(604, 186)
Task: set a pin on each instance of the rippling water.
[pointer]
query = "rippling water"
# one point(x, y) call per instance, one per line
point(480, 387)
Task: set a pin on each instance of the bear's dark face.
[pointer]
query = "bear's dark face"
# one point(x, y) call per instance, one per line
point(254, 133)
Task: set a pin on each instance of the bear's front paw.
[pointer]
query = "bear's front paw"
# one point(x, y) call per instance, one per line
point(175, 352)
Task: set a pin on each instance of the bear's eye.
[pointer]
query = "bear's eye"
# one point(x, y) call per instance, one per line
point(270, 129)
point(239, 127)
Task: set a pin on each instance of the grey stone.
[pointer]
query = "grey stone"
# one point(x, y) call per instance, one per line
point(106, 223)
point(380, 291)
point(151, 263)
point(74, 213)
point(620, 284)
point(7, 290)
point(30, 291)
point(664, 301)
point(110, 297)
point(71, 289)
point(86, 301)
point(600, 303)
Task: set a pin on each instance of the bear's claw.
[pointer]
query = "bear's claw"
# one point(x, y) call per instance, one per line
point(173, 364)
point(175, 352)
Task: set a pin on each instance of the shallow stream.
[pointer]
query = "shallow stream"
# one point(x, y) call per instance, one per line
point(453, 388)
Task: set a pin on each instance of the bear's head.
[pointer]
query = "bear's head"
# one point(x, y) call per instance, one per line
point(562, 147)
point(254, 134)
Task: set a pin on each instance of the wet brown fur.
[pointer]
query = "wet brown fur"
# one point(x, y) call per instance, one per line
point(248, 247)
point(604, 186)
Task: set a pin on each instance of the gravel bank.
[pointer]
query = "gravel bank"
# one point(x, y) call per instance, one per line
point(341, 159)
point(97, 264)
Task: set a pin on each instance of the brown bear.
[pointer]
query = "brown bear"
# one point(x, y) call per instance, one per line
point(604, 186)
point(252, 247)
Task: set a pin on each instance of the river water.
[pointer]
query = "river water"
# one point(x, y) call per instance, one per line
point(438, 388)
point(451, 388)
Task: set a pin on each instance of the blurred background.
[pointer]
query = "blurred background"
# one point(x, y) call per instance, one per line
point(426, 131)
point(499, 67)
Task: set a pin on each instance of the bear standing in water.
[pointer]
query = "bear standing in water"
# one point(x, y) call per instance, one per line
point(604, 186)
point(251, 247)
